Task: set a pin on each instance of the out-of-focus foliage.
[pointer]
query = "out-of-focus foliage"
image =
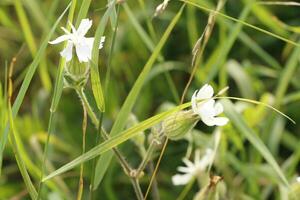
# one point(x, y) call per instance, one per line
point(255, 65)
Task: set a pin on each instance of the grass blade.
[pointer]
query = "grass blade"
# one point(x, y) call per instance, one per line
point(29, 185)
point(131, 98)
point(95, 76)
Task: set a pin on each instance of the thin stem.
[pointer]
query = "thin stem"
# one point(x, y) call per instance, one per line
point(84, 125)
point(147, 156)
point(137, 188)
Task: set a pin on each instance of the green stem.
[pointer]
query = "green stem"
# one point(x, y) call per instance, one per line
point(137, 188)
point(84, 125)
point(147, 156)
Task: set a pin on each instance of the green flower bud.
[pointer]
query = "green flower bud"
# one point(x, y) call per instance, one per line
point(76, 73)
point(179, 124)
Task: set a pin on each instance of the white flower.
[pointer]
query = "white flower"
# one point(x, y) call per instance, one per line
point(83, 45)
point(207, 109)
point(298, 179)
point(193, 169)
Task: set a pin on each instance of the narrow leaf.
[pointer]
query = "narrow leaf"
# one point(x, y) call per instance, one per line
point(95, 76)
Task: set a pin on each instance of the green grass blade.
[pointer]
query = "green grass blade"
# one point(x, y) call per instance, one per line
point(82, 11)
point(31, 70)
point(131, 98)
point(244, 23)
point(29, 185)
point(266, 17)
point(286, 76)
point(116, 140)
point(142, 33)
point(244, 129)
point(95, 75)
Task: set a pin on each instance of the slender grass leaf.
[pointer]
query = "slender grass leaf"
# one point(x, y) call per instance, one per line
point(286, 76)
point(244, 129)
point(95, 75)
point(29, 185)
point(243, 22)
point(119, 124)
point(83, 11)
point(116, 140)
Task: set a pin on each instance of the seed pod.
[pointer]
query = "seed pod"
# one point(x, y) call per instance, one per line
point(179, 124)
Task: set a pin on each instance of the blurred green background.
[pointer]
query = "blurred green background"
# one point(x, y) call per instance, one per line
point(253, 64)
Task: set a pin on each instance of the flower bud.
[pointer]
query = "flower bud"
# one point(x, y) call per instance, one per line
point(179, 124)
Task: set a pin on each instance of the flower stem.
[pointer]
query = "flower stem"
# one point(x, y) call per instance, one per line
point(147, 156)
point(137, 188)
point(84, 125)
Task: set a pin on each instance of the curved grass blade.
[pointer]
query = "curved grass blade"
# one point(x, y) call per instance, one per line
point(131, 98)
point(243, 22)
point(242, 126)
point(83, 11)
point(116, 140)
point(28, 77)
point(29, 185)
point(95, 76)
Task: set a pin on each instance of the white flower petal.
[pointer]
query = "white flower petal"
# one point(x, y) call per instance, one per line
point(188, 163)
point(218, 108)
point(206, 160)
point(60, 39)
point(185, 170)
point(205, 92)
point(84, 27)
point(208, 120)
point(83, 51)
point(67, 51)
point(206, 109)
point(181, 179)
point(72, 27)
point(221, 121)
